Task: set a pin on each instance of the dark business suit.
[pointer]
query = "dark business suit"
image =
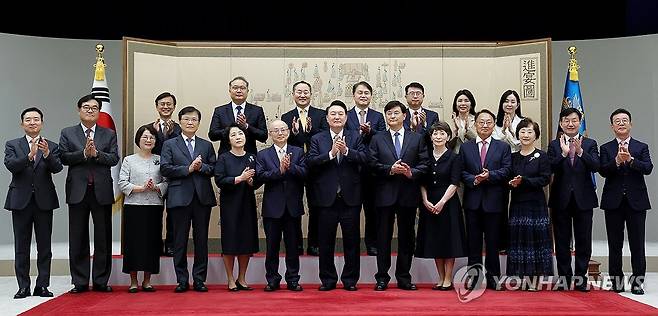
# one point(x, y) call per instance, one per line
point(282, 209)
point(89, 189)
point(484, 203)
point(396, 195)
point(223, 117)
point(32, 199)
point(190, 197)
point(572, 198)
point(377, 124)
point(303, 140)
point(431, 118)
point(625, 199)
point(175, 131)
point(337, 189)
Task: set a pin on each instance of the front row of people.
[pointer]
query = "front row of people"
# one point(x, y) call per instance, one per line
point(405, 177)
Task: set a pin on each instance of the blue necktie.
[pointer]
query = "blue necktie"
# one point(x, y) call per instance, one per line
point(398, 146)
point(189, 147)
point(239, 108)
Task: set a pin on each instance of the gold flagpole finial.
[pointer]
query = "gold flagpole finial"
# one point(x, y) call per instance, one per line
point(573, 63)
point(100, 63)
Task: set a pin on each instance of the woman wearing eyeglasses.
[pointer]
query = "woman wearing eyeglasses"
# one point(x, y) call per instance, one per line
point(143, 186)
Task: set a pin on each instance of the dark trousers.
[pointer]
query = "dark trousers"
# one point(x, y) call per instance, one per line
point(370, 212)
point(581, 221)
point(274, 227)
point(22, 221)
point(479, 222)
point(199, 216)
point(79, 240)
point(635, 226)
point(406, 242)
point(169, 230)
point(349, 219)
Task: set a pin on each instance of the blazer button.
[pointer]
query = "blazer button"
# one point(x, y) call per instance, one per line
point(433, 172)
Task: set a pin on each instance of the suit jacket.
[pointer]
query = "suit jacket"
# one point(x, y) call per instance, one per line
point(29, 178)
point(162, 138)
point(491, 194)
point(535, 171)
point(392, 189)
point(576, 178)
point(318, 124)
point(282, 191)
point(223, 117)
point(329, 174)
point(174, 163)
point(71, 144)
point(376, 119)
point(628, 178)
point(432, 117)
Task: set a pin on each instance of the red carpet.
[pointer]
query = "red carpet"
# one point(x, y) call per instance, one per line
point(339, 302)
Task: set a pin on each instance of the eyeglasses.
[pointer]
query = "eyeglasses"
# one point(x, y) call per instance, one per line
point(189, 119)
point(621, 121)
point(238, 88)
point(279, 130)
point(415, 93)
point(88, 108)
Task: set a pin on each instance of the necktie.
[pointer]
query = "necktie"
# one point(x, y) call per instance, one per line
point(339, 155)
point(303, 119)
point(90, 173)
point(398, 145)
point(281, 153)
point(239, 108)
point(165, 129)
point(39, 153)
point(190, 149)
point(483, 153)
point(572, 151)
point(362, 117)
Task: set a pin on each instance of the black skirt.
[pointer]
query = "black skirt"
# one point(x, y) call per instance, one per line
point(441, 236)
point(142, 237)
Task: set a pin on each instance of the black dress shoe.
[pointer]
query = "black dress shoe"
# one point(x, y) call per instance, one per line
point(79, 289)
point(448, 288)
point(149, 288)
point(437, 287)
point(295, 287)
point(581, 288)
point(243, 287)
point(200, 287)
point(617, 289)
point(372, 251)
point(350, 287)
point(313, 251)
point(381, 286)
point(169, 252)
point(133, 290)
point(102, 288)
point(270, 287)
point(42, 291)
point(408, 287)
point(327, 287)
point(22, 293)
point(637, 290)
point(182, 287)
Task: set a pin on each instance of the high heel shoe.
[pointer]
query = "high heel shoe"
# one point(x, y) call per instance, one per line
point(242, 287)
point(133, 289)
point(233, 289)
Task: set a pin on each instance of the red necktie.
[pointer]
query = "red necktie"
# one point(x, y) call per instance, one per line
point(483, 152)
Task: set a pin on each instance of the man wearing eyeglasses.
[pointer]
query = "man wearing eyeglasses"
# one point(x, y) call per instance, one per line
point(89, 151)
point(250, 117)
point(282, 168)
point(419, 119)
point(304, 121)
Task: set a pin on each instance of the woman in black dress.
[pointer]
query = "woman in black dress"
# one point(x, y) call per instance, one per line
point(234, 175)
point(441, 233)
point(143, 187)
point(530, 251)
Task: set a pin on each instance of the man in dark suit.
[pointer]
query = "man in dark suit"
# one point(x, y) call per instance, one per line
point(165, 104)
point(419, 119)
point(89, 151)
point(367, 122)
point(486, 170)
point(188, 162)
point(572, 197)
point(336, 157)
point(398, 157)
point(305, 121)
point(250, 118)
point(282, 169)
point(624, 163)
point(32, 160)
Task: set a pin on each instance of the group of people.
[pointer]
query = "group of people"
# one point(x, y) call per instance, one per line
point(475, 177)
